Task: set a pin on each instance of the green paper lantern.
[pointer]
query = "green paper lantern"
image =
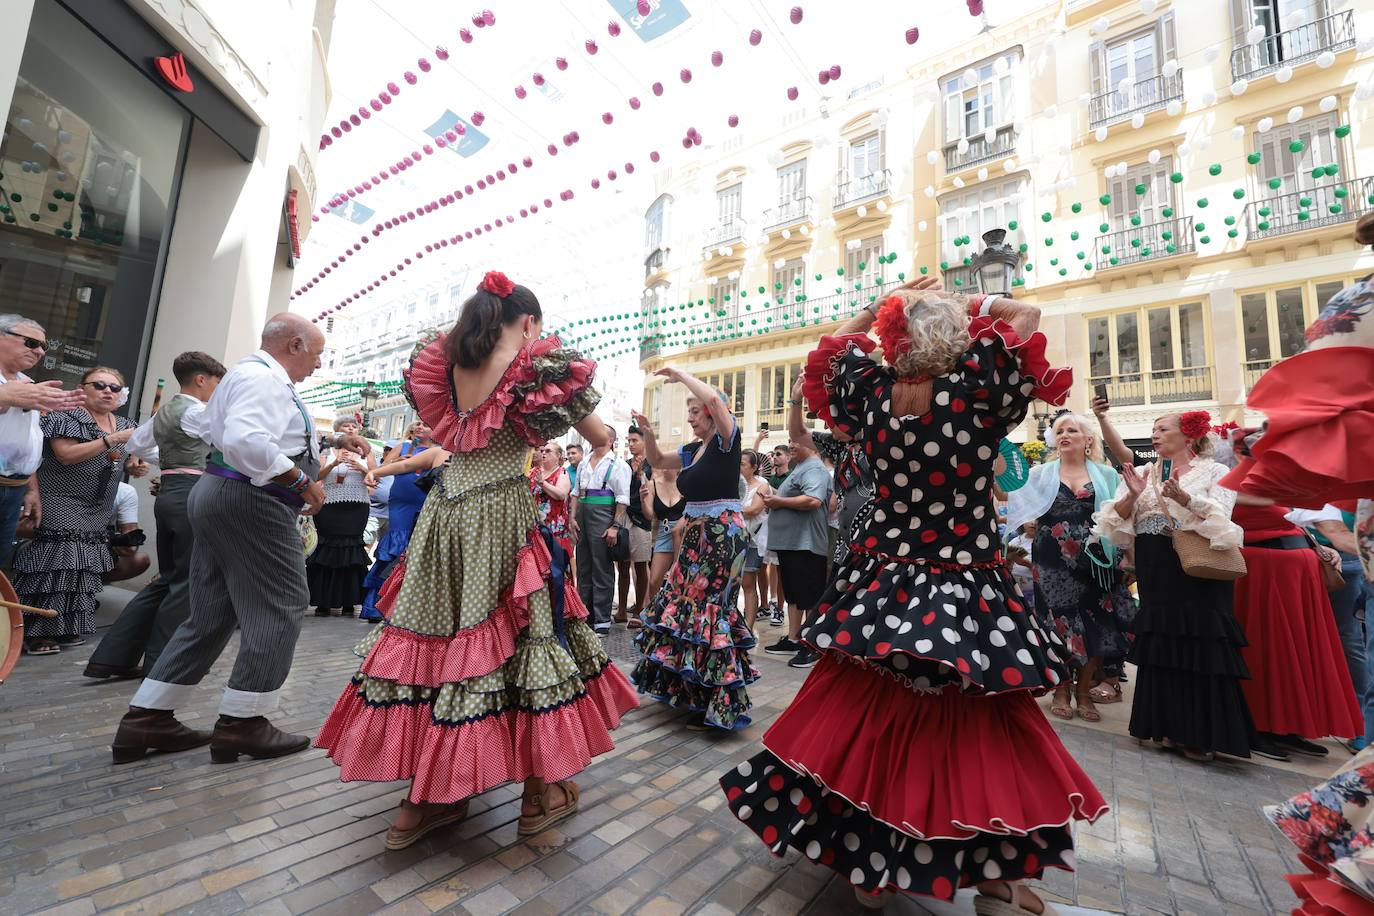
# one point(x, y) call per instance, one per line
point(1202, 202)
point(1073, 236)
point(1135, 220)
point(1171, 248)
point(1029, 268)
point(901, 276)
point(1081, 255)
point(1113, 261)
point(1297, 146)
point(1046, 216)
point(1238, 193)
point(1214, 169)
point(924, 270)
point(1253, 158)
point(1077, 207)
point(1341, 193)
point(1167, 212)
point(1319, 173)
point(796, 282)
point(958, 282)
point(1331, 170)
point(1063, 271)
point(1304, 201)
point(1263, 225)
point(1343, 131)
point(777, 285)
point(1135, 243)
point(1205, 240)
point(1104, 228)
point(863, 265)
point(1230, 221)
point(1049, 243)
point(944, 265)
point(1176, 177)
point(1141, 188)
point(1105, 199)
point(1166, 235)
point(1264, 211)
point(1087, 265)
point(1145, 252)
point(1023, 247)
point(1232, 233)
point(1012, 225)
point(1106, 249)
point(818, 278)
point(1335, 208)
point(1199, 227)
point(1054, 262)
point(1275, 183)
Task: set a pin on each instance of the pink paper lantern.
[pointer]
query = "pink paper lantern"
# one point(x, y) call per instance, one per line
point(643, 7)
point(465, 35)
point(393, 88)
point(607, 117)
point(488, 17)
point(792, 93)
point(654, 156)
point(658, 88)
point(528, 162)
point(590, 46)
point(561, 63)
point(717, 58)
point(462, 129)
point(411, 78)
point(477, 20)
point(596, 183)
point(634, 103)
point(440, 142)
point(336, 132)
point(795, 15)
point(613, 28)
point(477, 118)
point(538, 79)
point(685, 75)
point(441, 52)
point(423, 64)
point(755, 36)
point(733, 120)
point(385, 97)
point(824, 77)
point(519, 92)
point(553, 149)
point(834, 71)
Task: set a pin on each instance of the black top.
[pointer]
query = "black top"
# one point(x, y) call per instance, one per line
point(665, 513)
point(636, 509)
point(714, 471)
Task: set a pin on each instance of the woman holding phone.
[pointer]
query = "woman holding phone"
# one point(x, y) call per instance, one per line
point(1187, 642)
point(337, 567)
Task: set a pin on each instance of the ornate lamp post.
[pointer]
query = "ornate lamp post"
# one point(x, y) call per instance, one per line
point(995, 266)
point(368, 396)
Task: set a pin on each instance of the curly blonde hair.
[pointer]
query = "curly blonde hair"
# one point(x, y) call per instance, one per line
point(938, 327)
point(1088, 428)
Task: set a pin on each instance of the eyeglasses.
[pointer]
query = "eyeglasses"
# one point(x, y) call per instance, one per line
point(111, 387)
point(32, 343)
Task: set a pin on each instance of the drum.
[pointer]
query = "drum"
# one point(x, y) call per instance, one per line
point(12, 636)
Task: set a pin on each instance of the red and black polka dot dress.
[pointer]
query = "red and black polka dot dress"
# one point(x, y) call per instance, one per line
point(915, 757)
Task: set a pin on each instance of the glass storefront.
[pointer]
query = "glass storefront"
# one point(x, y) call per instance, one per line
point(90, 162)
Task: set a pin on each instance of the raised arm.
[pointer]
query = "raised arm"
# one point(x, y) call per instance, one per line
point(720, 414)
point(796, 424)
point(1111, 436)
point(427, 460)
point(593, 430)
point(657, 458)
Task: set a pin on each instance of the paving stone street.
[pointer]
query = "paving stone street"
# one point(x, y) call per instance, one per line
point(178, 834)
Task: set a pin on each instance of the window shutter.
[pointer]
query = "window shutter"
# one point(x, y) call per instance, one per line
point(1168, 41)
point(954, 118)
point(1097, 60)
point(1242, 18)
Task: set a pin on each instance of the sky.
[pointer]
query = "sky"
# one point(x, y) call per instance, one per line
point(584, 256)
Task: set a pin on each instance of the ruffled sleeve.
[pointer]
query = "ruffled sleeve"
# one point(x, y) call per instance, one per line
point(839, 378)
point(553, 390)
point(1001, 372)
point(1209, 509)
point(69, 424)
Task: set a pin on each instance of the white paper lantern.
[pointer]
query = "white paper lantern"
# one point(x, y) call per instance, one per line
point(711, 281)
point(922, 226)
point(1294, 20)
point(1283, 74)
point(1170, 68)
point(1101, 24)
point(1126, 85)
point(862, 211)
point(1325, 60)
point(734, 275)
point(958, 182)
point(805, 230)
point(728, 251)
point(932, 157)
point(1174, 108)
point(983, 174)
point(1328, 103)
point(970, 78)
point(1109, 172)
point(1051, 111)
point(1000, 66)
point(1238, 132)
point(1239, 86)
point(1148, 7)
point(929, 191)
point(1364, 92)
point(1009, 165)
point(1211, 53)
point(963, 146)
point(1137, 120)
point(881, 117)
point(787, 233)
point(1100, 134)
point(1184, 149)
point(1364, 44)
point(1204, 144)
point(1264, 125)
point(990, 135)
point(882, 206)
point(780, 263)
point(1295, 114)
point(1153, 157)
point(1255, 35)
point(1209, 96)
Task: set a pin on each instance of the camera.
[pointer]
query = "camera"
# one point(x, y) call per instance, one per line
point(135, 538)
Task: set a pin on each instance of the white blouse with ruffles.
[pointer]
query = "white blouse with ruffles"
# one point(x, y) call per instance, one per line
point(1208, 513)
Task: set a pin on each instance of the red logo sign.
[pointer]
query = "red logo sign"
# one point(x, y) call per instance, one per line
point(173, 70)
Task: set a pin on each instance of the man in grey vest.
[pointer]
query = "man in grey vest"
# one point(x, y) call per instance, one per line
point(150, 619)
point(248, 567)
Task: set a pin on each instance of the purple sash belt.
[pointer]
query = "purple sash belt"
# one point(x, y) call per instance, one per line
point(276, 491)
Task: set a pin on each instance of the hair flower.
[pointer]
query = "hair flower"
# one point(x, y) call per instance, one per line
point(1195, 424)
point(891, 327)
point(497, 283)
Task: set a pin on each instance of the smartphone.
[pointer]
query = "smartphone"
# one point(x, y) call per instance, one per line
point(1100, 391)
point(764, 426)
point(1166, 469)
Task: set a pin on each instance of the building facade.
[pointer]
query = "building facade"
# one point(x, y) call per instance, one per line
point(1185, 198)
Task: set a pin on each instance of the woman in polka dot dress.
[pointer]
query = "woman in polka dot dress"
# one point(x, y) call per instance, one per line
point(914, 757)
point(482, 673)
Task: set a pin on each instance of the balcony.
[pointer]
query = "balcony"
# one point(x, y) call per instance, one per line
point(980, 151)
point(655, 261)
point(1334, 33)
point(650, 347)
point(1161, 386)
point(1144, 243)
point(1326, 205)
point(725, 233)
point(1254, 368)
point(960, 278)
point(788, 213)
point(853, 191)
point(1143, 97)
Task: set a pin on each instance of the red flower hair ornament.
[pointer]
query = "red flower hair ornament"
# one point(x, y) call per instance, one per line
point(497, 283)
point(891, 328)
point(1195, 424)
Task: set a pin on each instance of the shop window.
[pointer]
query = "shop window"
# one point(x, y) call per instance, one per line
point(1274, 321)
point(969, 214)
point(1151, 355)
point(775, 388)
point(789, 280)
point(91, 157)
point(867, 254)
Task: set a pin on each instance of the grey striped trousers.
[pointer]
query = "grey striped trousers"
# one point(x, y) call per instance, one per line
point(247, 569)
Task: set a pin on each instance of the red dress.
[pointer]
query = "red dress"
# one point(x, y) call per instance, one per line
point(553, 513)
point(915, 757)
point(1299, 683)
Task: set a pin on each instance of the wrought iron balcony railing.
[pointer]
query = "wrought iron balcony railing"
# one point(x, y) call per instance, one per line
point(655, 261)
point(1145, 96)
point(1324, 205)
point(980, 150)
point(1143, 243)
point(852, 191)
point(788, 213)
point(725, 233)
point(1332, 33)
point(1160, 386)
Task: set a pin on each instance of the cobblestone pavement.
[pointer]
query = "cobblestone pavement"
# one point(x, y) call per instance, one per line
point(176, 833)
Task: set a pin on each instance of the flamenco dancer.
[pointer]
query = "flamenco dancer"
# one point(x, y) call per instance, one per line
point(482, 674)
point(898, 763)
point(695, 643)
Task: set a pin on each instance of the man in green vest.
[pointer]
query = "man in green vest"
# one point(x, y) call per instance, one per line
point(150, 619)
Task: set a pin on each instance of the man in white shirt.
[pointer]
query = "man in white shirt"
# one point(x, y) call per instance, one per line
point(603, 499)
point(248, 568)
point(22, 344)
point(129, 560)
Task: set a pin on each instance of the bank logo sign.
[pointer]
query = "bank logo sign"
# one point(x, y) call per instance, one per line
point(354, 211)
point(663, 17)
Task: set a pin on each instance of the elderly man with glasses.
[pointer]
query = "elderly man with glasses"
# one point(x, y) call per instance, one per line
point(22, 344)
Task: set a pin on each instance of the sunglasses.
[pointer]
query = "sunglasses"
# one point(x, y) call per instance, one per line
point(32, 343)
point(111, 387)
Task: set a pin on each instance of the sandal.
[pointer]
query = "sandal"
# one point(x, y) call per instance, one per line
point(69, 642)
point(1061, 709)
point(1088, 713)
point(432, 817)
point(988, 905)
point(530, 824)
point(869, 901)
point(1105, 693)
point(635, 623)
point(41, 647)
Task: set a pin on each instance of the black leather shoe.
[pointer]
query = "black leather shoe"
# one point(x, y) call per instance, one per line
point(255, 737)
point(118, 672)
point(143, 730)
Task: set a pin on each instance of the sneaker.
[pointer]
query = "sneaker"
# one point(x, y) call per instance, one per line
point(603, 630)
point(776, 616)
point(1265, 746)
point(806, 658)
point(784, 646)
point(1354, 745)
point(1300, 745)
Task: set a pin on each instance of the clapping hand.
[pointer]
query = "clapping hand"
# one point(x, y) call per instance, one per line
point(1173, 491)
point(41, 396)
point(1135, 480)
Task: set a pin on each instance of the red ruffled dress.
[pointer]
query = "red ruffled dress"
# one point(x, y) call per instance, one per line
point(481, 675)
point(915, 757)
point(1299, 683)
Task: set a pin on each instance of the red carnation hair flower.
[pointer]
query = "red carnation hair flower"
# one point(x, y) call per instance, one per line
point(1195, 423)
point(891, 327)
point(497, 283)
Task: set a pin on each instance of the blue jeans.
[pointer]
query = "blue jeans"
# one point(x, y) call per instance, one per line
point(11, 501)
point(1348, 607)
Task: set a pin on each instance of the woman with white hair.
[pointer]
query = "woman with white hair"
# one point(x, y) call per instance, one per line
point(1078, 587)
point(915, 757)
point(336, 568)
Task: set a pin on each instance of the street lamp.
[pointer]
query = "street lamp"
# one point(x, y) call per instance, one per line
point(995, 265)
point(368, 396)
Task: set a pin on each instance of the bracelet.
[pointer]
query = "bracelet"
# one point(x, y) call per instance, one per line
point(794, 402)
point(872, 309)
point(985, 308)
point(105, 441)
point(301, 483)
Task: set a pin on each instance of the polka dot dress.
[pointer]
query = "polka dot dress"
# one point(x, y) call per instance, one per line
point(898, 765)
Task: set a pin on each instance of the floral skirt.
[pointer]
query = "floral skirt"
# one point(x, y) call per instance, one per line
point(694, 643)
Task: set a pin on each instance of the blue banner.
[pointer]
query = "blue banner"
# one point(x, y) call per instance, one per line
point(664, 16)
point(353, 211)
point(468, 143)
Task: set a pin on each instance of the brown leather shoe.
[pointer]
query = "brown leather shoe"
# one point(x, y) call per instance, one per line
point(143, 730)
point(119, 673)
point(255, 737)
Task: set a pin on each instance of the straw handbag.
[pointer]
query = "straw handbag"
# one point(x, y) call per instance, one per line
point(1195, 553)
